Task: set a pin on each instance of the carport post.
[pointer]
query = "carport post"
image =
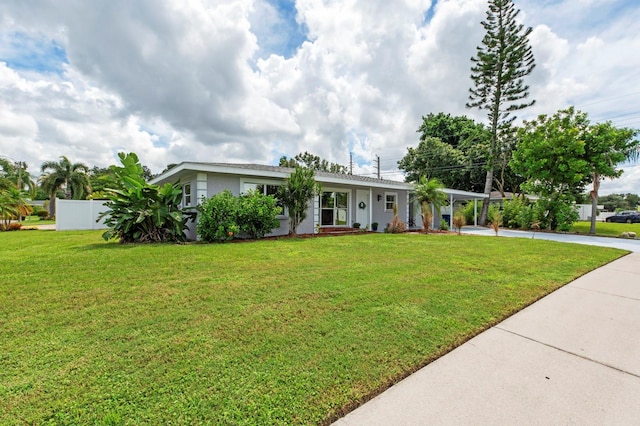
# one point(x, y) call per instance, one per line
point(475, 212)
point(451, 211)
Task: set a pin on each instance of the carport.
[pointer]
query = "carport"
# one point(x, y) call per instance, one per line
point(458, 195)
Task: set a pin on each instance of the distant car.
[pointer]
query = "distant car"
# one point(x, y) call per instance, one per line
point(628, 216)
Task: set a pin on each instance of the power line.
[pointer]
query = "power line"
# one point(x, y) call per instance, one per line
point(607, 99)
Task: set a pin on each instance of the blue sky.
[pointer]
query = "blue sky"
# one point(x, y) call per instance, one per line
point(250, 80)
point(33, 52)
point(281, 34)
point(296, 32)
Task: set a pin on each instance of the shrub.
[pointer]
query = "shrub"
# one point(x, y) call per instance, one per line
point(459, 221)
point(257, 214)
point(510, 210)
point(13, 226)
point(555, 214)
point(518, 213)
point(526, 217)
point(396, 226)
point(356, 225)
point(494, 208)
point(217, 218)
point(42, 214)
point(496, 220)
point(468, 211)
point(444, 225)
point(566, 215)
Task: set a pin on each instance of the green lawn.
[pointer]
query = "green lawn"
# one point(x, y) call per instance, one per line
point(273, 332)
point(607, 229)
point(35, 220)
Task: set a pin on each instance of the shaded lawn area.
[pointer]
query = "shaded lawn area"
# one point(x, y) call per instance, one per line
point(272, 332)
point(606, 229)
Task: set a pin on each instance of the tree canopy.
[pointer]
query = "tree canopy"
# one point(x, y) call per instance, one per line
point(614, 202)
point(73, 178)
point(313, 162)
point(560, 154)
point(452, 149)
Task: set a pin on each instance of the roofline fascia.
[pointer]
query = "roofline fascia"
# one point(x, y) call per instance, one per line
point(233, 170)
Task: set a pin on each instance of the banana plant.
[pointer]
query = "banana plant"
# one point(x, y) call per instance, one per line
point(139, 212)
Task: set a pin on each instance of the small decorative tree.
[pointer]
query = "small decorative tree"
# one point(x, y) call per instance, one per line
point(295, 194)
point(429, 193)
point(396, 226)
point(496, 221)
point(459, 221)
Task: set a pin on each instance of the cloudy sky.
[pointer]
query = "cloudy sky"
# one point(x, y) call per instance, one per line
point(252, 80)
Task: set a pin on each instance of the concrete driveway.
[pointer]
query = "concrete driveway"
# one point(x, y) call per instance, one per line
point(631, 245)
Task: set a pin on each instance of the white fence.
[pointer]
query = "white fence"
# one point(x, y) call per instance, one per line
point(584, 210)
point(79, 214)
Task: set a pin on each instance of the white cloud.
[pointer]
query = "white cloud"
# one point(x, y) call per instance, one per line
point(192, 80)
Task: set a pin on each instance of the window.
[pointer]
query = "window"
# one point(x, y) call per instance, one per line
point(264, 188)
point(390, 198)
point(334, 208)
point(186, 195)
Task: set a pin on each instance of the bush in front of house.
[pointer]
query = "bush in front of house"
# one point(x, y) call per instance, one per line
point(225, 216)
point(396, 226)
point(257, 214)
point(217, 220)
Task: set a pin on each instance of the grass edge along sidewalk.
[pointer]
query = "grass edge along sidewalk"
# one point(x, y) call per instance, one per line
point(279, 331)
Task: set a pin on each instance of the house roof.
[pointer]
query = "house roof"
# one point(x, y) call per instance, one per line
point(265, 171)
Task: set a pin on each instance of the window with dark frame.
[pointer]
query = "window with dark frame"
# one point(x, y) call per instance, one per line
point(390, 199)
point(186, 195)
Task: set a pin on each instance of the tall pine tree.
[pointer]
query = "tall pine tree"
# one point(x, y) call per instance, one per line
point(498, 71)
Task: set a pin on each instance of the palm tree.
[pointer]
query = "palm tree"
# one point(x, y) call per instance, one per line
point(431, 197)
point(15, 175)
point(12, 206)
point(72, 178)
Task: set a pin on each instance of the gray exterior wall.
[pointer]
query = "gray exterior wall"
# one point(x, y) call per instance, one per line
point(217, 183)
point(383, 216)
point(374, 210)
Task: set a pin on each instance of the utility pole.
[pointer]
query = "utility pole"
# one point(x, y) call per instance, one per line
point(19, 164)
point(378, 161)
point(351, 163)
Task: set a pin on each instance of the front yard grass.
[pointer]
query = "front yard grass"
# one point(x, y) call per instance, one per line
point(291, 331)
point(606, 229)
point(35, 220)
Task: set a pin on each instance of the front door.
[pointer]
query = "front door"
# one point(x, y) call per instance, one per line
point(362, 214)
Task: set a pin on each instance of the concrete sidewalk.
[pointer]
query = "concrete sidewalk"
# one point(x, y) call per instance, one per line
point(571, 358)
